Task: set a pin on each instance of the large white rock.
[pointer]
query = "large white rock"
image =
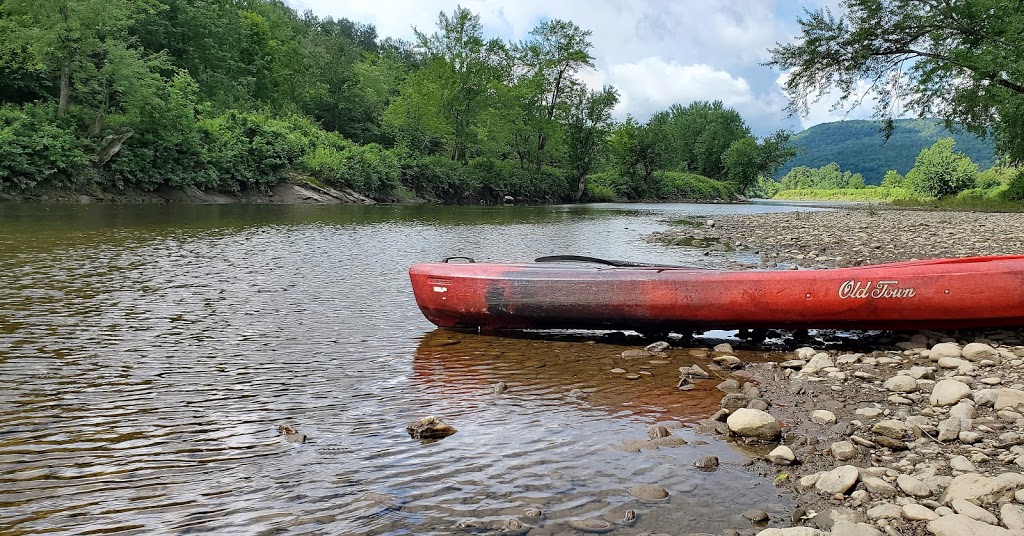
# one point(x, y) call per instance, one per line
point(944, 349)
point(1012, 516)
point(977, 351)
point(838, 480)
point(782, 455)
point(974, 511)
point(977, 488)
point(961, 525)
point(754, 423)
point(823, 416)
point(912, 486)
point(1010, 399)
point(901, 384)
point(818, 362)
point(948, 392)
point(918, 512)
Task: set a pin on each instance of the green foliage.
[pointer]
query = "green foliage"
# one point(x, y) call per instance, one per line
point(892, 179)
point(939, 171)
point(1015, 189)
point(960, 59)
point(37, 150)
point(845, 194)
point(828, 177)
point(860, 146)
point(250, 151)
point(664, 185)
point(764, 188)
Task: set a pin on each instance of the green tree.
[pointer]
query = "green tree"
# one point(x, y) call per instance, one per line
point(558, 51)
point(892, 179)
point(963, 60)
point(939, 171)
point(586, 129)
point(746, 160)
point(462, 68)
point(83, 43)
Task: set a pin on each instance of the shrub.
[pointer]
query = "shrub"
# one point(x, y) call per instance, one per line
point(938, 171)
point(437, 177)
point(39, 150)
point(1015, 190)
point(250, 150)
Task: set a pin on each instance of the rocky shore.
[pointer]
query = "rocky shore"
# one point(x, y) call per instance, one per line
point(298, 190)
point(853, 237)
point(899, 433)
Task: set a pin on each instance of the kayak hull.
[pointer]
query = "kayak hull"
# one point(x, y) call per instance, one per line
point(934, 294)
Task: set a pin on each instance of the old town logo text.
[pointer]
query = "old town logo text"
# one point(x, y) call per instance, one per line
point(868, 289)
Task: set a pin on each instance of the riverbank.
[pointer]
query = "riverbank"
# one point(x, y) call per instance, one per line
point(870, 235)
point(298, 191)
point(900, 434)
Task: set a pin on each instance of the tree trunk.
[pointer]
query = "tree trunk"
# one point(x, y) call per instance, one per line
point(65, 85)
point(65, 66)
point(582, 185)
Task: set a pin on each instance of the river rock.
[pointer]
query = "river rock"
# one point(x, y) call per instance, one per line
point(900, 384)
point(977, 488)
point(782, 455)
point(593, 526)
point(1012, 399)
point(822, 416)
point(1012, 516)
point(973, 511)
point(430, 427)
point(944, 349)
point(838, 480)
point(961, 525)
point(948, 392)
point(657, 347)
point(977, 351)
point(949, 429)
point(847, 528)
point(649, 492)
point(843, 450)
point(955, 363)
point(912, 486)
point(728, 361)
point(723, 347)
point(792, 531)
point(818, 362)
point(658, 431)
point(986, 397)
point(805, 353)
point(961, 463)
point(890, 428)
point(754, 423)
point(917, 512)
point(756, 516)
point(878, 486)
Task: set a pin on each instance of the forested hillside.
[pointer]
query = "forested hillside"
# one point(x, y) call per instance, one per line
point(860, 146)
point(238, 96)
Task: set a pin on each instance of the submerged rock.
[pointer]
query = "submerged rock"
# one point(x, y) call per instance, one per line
point(430, 428)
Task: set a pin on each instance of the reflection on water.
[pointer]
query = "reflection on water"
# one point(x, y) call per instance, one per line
point(149, 354)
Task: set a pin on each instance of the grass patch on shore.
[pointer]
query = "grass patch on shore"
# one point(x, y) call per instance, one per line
point(880, 195)
point(974, 204)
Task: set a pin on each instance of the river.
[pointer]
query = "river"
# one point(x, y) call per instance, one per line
point(149, 354)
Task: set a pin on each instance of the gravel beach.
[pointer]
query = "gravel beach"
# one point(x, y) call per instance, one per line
point(854, 237)
point(897, 433)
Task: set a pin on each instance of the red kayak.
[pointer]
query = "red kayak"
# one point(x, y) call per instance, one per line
point(576, 293)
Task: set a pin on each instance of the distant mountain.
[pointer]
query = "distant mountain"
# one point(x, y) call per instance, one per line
point(857, 146)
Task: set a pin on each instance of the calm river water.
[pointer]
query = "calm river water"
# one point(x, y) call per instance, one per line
point(148, 355)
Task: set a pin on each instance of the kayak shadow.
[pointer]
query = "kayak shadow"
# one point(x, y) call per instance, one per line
point(569, 369)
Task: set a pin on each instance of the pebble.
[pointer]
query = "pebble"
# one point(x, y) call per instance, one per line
point(649, 492)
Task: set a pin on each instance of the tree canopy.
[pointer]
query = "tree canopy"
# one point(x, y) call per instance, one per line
point(961, 61)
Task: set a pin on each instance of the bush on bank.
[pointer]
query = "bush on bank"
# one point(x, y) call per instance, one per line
point(662, 185)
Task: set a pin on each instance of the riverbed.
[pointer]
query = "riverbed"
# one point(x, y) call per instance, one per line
point(150, 356)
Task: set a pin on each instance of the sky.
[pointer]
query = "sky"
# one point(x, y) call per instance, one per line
point(655, 52)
